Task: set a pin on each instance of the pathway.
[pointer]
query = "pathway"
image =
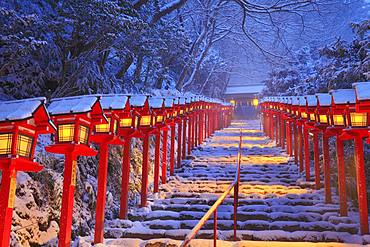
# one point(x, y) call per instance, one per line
point(274, 205)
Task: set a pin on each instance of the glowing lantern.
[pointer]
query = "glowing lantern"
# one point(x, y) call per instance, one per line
point(75, 117)
point(255, 102)
point(146, 127)
point(322, 115)
point(357, 128)
point(341, 101)
point(21, 121)
point(114, 106)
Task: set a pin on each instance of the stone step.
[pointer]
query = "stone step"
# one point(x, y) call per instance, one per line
point(264, 235)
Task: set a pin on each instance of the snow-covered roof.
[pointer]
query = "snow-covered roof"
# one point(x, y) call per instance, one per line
point(362, 90)
point(296, 100)
point(138, 100)
point(344, 96)
point(76, 104)
point(311, 100)
point(182, 100)
point(19, 109)
point(246, 89)
point(169, 102)
point(156, 102)
point(324, 99)
point(113, 101)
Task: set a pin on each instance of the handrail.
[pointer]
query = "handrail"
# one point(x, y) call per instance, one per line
point(213, 210)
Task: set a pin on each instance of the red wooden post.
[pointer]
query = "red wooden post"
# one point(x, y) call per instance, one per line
point(157, 160)
point(164, 156)
point(201, 126)
point(145, 168)
point(289, 139)
point(184, 138)
point(300, 148)
point(69, 183)
point(125, 178)
point(316, 159)
point(277, 132)
point(306, 153)
point(193, 138)
point(341, 178)
point(361, 185)
point(272, 126)
point(179, 143)
point(282, 134)
point(295, 144)
point(101, 194)
point(172, 149)
point(325, 146)
point(190, 125)
point(7, 198)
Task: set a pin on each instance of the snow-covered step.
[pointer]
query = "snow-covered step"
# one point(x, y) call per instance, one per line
point(275, 201)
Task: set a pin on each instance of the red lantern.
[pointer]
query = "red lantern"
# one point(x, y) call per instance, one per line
point(75, 118)
point(146, 126)
point(127, 129)
point(158, 108)
point(21, 121)
point(340, 100)
point(106, 134)
point(322, 122)
point(180, 116)
point(357, 128)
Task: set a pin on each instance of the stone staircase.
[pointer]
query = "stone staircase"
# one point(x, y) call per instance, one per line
point(274, 203)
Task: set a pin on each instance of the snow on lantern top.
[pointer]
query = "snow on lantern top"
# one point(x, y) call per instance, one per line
point(138, 100)
point(114, 101)
point(19, 109)
point(169, 102)
point(311, 100)
point(76, 104)
point(362, 90)
point(323, 99)
point(343, 96)
point(156, 102)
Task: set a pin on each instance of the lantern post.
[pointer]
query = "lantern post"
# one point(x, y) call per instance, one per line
point(295, 114)
point(21, 121)
point(104, 135)
point(127, 129)
point(311, 104)
point(322, 123)
point(157, 105)
point(146, 126)
point(180, 110)
point(75, 117)
point(341, 100)
point(357, 127)
point(170, 111)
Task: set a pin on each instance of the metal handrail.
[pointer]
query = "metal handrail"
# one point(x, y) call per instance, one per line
point(213, 210)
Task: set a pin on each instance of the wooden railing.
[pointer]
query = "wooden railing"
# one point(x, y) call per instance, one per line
point(213, 210)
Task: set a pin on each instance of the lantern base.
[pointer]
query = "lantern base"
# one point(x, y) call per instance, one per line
point(20, 164)
point(68, 148)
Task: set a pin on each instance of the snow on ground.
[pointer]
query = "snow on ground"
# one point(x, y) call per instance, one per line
point(274, 204)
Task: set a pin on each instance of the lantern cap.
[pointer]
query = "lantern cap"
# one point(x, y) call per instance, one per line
point(169, 102)
point(114, 101)
point(156, 102)
point(75, 104)
point(323, 99)
point(362, 90)
point(298, 100)
point(311, 100)
point(138, 100)
point(343, 96)
point(19, 109)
